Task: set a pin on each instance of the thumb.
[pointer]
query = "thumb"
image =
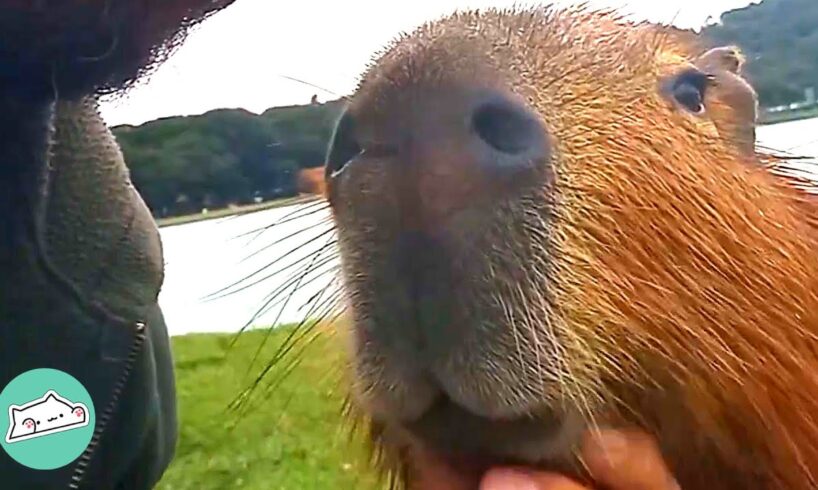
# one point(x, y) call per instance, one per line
point(519, 479)
point(626, 460)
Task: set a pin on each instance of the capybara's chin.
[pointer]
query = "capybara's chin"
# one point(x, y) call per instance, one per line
point(542, 231)
point(76, 47)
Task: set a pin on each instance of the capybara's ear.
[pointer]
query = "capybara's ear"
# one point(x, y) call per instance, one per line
point(77, 47)
point(729, 58)
point(311, 181)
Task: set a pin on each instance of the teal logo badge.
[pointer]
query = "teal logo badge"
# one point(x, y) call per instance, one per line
point(46, 419)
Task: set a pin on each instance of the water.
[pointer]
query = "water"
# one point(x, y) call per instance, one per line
point(202, 258)
point(205, 257)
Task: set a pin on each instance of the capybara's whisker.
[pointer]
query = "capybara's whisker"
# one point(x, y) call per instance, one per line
point(301, 201)
point(323, 89)
point(295, 283)
point(279, 298)
point(243, 282)
point(317, 205)
point(313, 271)
point(304, 335)
point(321, 224)
point(312, 265)
point(317, 304)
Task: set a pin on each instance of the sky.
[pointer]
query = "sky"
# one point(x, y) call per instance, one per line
point(246, 56)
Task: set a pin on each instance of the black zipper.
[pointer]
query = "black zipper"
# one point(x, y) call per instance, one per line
point(109, 320)
point(102, 421)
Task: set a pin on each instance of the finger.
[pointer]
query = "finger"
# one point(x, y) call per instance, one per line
point(430, 473)
point(626, 460)
point(511, 479)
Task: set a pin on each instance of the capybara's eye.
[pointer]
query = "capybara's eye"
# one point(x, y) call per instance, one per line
point(688, 89)
point(343, 146)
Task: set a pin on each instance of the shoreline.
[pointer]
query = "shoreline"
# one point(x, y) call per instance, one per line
point(789, 116)
point(227, 212)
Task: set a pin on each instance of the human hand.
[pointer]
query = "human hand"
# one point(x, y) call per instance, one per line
point(619, 460)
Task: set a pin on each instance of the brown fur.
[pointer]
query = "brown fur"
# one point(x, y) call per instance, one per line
point(652, 279)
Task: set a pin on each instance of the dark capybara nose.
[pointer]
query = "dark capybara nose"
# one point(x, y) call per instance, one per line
point(443, 149)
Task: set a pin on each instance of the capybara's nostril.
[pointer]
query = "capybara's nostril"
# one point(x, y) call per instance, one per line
point(513, 131)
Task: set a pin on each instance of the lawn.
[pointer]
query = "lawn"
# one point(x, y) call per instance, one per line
point(291, 439)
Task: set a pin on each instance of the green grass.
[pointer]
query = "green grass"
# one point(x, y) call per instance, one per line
point(291, 439)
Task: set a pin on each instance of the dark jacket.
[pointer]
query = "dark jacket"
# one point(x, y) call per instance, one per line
point(80, 271)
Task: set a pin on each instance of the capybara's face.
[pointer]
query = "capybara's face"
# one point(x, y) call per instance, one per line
point(540, 232)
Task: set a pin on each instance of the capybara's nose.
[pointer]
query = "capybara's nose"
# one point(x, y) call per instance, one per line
point(444, 150)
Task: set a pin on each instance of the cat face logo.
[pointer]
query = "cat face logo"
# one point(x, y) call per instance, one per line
point(45, 416)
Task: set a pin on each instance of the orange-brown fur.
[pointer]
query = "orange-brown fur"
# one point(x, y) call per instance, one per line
point(686, 293)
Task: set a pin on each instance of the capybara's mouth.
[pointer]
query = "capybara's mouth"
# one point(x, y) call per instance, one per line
point(454, 430)
point(464, 446)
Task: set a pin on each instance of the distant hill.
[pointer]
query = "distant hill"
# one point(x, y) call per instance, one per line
point(780, 39)
point(226, 156)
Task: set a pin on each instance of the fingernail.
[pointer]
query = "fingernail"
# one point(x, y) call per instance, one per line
point(508, 480)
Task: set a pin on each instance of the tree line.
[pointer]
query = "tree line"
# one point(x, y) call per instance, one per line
point(225, 157)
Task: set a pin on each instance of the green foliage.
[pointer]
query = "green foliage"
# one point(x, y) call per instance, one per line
point(292, 440)
point(780, 39)
point(227, 156)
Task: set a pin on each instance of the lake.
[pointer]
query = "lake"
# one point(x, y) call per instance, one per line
point(205, 257)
